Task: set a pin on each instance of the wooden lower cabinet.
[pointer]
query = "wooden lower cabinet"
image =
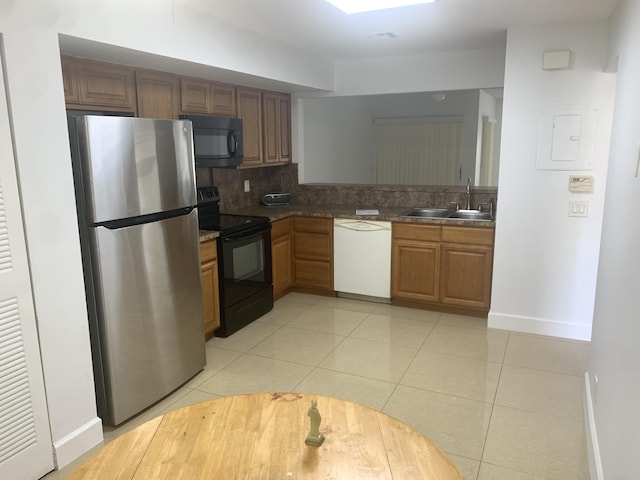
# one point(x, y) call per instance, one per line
point(442, 266)
point(313, 255)
point(466, 275)
point(210, 286)
point(416, 273)
point(281, 257)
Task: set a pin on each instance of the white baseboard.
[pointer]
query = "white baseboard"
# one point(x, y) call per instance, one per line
point(593, 450)
point(81, 440)
point(539, 326)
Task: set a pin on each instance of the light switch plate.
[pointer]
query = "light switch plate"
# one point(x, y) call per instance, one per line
point(579, 208)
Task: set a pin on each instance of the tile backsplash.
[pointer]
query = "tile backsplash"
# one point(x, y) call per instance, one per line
point(230, 182)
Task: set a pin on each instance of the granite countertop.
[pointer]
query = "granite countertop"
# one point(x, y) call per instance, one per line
point(391, 214)
point(208, 235)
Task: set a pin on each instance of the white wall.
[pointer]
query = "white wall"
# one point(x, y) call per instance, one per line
point(615, 346)
point(35, 96)
point(338, 141)
point(546, 262)
point(482, 68)
point(339, 133)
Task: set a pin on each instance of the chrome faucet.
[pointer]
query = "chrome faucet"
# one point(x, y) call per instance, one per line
point(469, 194)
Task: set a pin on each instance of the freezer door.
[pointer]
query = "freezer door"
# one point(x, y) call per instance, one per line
point(135, 166)
point(149, 311)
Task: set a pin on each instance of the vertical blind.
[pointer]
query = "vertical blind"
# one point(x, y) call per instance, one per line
point(418, 150)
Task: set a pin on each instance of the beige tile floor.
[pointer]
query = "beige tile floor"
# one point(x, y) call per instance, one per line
point(502, 405)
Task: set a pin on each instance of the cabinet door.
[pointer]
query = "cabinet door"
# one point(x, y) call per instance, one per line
point(277, 127)
point(105, 84)
point(249, 109)
point(415, 270)
point(157, 94)
point(313, 253)
point(282, 253)
point(284, 103)
point(313, 274)
point(282, 257)
point(70, 81)
point(466, 275)
point(195, 96)
point(210, 287)
point(209, 274)
point(223, 99)
point(271, 119)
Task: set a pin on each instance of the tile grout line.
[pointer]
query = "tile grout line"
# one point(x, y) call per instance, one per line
point(493, 404)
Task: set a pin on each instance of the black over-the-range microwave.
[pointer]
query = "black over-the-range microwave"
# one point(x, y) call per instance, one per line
point(217, 141)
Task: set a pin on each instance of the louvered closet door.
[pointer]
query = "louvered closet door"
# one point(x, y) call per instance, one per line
point(25, 439)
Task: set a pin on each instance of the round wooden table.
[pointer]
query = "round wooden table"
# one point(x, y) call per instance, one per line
point(262, 436)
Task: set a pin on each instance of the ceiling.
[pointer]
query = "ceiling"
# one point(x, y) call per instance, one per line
point(319, 27)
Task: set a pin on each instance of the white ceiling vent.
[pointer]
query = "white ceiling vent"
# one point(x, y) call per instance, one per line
point(382, 35)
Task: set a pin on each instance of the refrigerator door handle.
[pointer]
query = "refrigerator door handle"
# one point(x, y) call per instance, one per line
point(152, 217)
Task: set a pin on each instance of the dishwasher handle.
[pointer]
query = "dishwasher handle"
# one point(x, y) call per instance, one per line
point(361, 225)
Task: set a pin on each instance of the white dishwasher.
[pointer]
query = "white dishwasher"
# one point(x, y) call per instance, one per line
point(362, 257)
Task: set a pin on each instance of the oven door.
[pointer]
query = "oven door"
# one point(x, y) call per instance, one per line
point(245, 266)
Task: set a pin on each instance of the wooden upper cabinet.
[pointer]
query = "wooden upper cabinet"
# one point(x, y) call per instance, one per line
point(70, 81)
point(285, 128)
point(223, 99)
point(276, 108)
point(195, 96)
point(99, 84)
point(157, 94)
point(249, 109)
point(210, 98)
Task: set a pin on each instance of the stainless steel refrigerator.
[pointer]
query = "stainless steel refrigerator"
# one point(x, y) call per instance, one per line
point(137, 217)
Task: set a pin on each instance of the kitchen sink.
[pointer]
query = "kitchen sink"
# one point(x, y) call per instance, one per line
point(452, 214)
point(428, 212)
point(470, 215)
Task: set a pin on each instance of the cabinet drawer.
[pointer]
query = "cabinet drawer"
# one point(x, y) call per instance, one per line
point(280, 228)
point(309, 273)
point(312, 224)
point(408, 231)
point(312, 246)
point(468, 235)
point(208, 251)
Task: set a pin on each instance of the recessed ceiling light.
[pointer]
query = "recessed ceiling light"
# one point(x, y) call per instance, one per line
point(359, 6)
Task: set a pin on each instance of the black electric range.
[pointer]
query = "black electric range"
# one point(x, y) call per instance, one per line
point(244, 262)
point(210, 218)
